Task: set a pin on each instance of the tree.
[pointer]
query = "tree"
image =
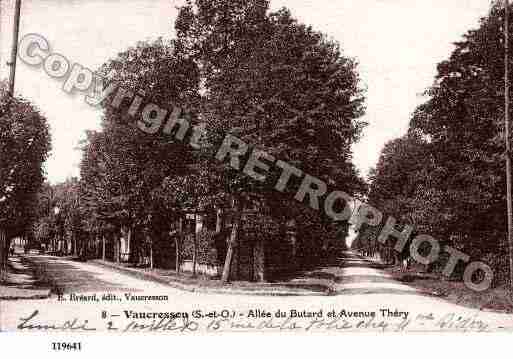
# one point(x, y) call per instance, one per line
point(184, 194)
point(462, 120)
point(122, 166)
point(24, 146)
point(59, 216)
point(281, 87)
point(450, 181)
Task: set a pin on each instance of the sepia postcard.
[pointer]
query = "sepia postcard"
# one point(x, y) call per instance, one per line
point(257, 166)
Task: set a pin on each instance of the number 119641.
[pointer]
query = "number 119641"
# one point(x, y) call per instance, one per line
point(67, 346)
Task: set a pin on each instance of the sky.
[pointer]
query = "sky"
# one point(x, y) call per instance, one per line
point(397, 44)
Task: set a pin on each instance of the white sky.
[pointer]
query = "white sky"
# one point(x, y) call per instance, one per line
point(397, 43)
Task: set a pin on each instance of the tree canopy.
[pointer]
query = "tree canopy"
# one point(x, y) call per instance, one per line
point(446, 176)
point(236, 68)
point(279, 86)
point(24, 146)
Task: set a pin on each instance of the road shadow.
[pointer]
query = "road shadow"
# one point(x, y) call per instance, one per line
point(410, 278)
point(64, 277)
point(347, 270)
point(20, 274)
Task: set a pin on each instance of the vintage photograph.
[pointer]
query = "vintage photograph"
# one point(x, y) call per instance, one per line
point(259, 166)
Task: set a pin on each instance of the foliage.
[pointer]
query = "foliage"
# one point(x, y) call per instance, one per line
point(24, 146)
point(447, 175)
point(122, 167)
point(279, 86)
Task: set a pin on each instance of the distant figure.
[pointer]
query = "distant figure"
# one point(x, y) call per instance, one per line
point(11, 251)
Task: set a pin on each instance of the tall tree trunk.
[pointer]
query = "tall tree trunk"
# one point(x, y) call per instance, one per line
point(233, 242)
point(103, 247)
point(74, 243)
point(151, 255)
point(259, 261)
point(148, 247)
point(130, 246)
point(99, 246)
point(123, 243)
point(117, 243)
point(127, 233)
point(195, 247)
point(219, 230)
point(219, 221)
point(178, 245)
point(177, 256)
point(5, 254)
point(3, 262)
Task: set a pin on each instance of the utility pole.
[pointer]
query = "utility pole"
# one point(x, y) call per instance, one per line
point(14, 51)
point(508, 143)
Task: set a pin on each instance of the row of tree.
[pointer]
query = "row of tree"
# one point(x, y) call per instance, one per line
point(24, 146)
point(446, 177)
point(239, 69)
